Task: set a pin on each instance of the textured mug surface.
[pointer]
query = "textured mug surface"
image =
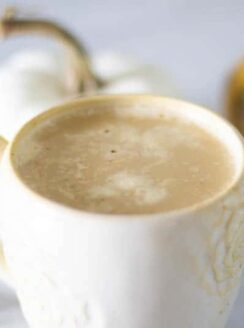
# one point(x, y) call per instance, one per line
point(73, 269)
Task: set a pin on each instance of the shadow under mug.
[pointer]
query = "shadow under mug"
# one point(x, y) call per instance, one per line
point(73, 269)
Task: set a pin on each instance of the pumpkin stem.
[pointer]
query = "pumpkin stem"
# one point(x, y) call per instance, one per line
point(84, 77)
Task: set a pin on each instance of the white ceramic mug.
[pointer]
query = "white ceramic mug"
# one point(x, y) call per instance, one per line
point(75, 269)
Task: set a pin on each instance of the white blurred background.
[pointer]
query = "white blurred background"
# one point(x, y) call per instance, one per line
point(197, 43)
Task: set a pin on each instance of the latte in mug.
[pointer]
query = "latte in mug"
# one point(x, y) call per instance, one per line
point(123, 160)
point(156, 237)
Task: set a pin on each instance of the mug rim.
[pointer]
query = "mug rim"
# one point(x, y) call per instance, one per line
point(96, 99)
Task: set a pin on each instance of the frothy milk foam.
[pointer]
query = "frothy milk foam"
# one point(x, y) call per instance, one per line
point(111, 160)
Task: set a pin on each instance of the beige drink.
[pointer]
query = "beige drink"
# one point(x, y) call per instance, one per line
point(102, 161)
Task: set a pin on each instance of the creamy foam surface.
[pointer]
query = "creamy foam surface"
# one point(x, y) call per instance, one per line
point(101, 161)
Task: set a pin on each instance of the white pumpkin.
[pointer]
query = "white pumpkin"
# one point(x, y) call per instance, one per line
point(124, 74)
point(31, 81)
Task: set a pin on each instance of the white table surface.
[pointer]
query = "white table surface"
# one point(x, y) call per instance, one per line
point(197, 42)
